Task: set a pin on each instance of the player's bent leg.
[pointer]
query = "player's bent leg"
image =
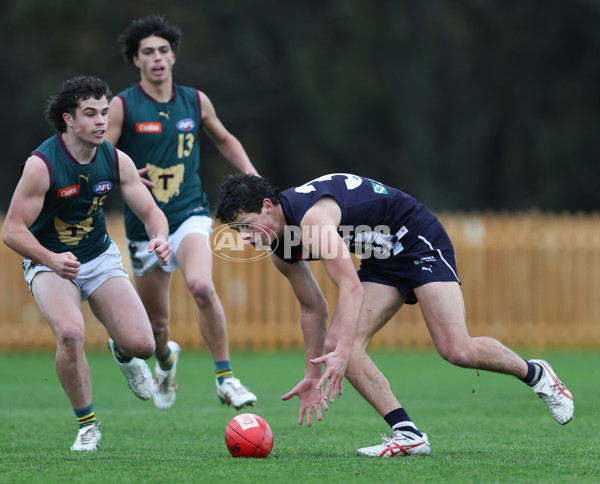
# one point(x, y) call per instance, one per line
point(72, 366)
point(211, 317)
point(60, 304)
point(195, 260)
point(165, 386)
point(380, 304)
point(118, 307)
point(153, 289)
point(443, 310)
point(370, 382)
point(116, 304)
point(136, 372)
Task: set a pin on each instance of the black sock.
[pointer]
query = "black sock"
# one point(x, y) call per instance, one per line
point(534, 373)
point(399, 420)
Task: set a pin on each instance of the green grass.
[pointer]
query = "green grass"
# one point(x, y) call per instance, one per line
point(482, 427)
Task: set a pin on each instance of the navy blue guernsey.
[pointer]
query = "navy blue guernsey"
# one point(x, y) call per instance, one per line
point(376, 218)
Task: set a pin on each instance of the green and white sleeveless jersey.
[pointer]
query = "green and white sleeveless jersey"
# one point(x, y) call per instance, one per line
point(164, 137)
point(72, 219)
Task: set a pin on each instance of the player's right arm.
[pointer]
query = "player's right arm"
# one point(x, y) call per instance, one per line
point(26, 204)
point(313, 320)
point(229, 146)
point(115, 121)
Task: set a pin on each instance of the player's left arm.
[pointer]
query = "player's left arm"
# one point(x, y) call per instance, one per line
point(139, 199)
point(313, 320)
point(319, 234)
point(229, 146)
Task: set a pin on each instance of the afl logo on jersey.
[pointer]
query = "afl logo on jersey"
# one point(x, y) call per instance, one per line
point(103, 187)
point(185, 124)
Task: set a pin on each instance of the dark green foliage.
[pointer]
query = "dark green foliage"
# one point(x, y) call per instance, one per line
point(465, 104)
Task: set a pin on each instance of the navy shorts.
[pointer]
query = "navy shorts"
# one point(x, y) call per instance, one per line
point(427, 256)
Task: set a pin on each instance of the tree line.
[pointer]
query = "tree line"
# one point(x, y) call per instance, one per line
point(467, 105)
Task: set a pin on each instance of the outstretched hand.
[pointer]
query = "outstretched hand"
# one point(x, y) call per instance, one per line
point(311, 397)
point(335, 368)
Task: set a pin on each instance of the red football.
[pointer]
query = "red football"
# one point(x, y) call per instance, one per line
point(248, 435)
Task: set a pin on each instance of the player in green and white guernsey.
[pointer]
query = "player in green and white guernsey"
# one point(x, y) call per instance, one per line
point(159, 123)
point(163, 137)
point(71, 218)
point(56, 222)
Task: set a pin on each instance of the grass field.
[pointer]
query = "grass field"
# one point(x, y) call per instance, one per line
point(482, 427)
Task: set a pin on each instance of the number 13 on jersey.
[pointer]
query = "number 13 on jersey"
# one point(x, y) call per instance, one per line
point(185, 145)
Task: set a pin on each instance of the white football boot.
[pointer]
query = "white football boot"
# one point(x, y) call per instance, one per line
point(165, 388)
point(139, 376)
point(555, 394)
point(398, 445)
point(88, 438)
point(232, 392)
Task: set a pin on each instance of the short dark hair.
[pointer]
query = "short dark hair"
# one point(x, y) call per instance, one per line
point(142, 28)
point(243, 193)
point(72, 92)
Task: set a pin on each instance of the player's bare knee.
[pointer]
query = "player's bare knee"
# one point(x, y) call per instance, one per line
point(457, 355)
point(159, 328)
point(146, 350)
point(138, 349)
point(71, 341)
point(203, 291)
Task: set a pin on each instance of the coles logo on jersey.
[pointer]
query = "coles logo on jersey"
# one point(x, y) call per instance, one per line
point(68, 191)
point(185, 124)
point(150, 127)
point(103, 187)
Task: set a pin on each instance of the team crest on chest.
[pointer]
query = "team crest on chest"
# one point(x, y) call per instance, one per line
point(186, 124)
point(167, 180)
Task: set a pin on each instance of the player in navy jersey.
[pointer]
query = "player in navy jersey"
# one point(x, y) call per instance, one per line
point(158, 123)
point(405, 257)
point(56, 222)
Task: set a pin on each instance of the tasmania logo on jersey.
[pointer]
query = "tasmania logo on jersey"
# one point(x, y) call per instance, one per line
point(68, 191)
point(150, 127)
point(103, 187)
point(186, 124)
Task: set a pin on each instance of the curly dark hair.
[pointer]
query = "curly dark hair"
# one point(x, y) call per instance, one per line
point(243, 193)
point(72, 92)
point(139, 29)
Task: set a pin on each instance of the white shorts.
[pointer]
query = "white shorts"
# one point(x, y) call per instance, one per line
point(144, 262)
point(92, 274)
